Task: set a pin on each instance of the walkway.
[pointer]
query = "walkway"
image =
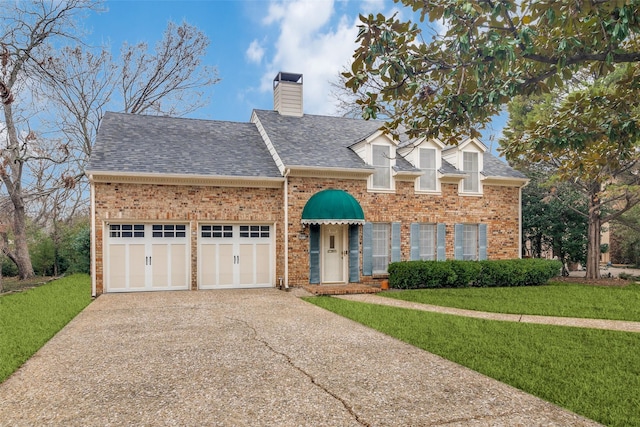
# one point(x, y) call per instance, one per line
point(614, 325)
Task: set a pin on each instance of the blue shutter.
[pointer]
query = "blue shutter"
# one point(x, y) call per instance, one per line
point(458, 249)
point(395, 242)
point(441, 242)
point(314, 254)
point(482, 241)
point(415, 241)
point(354, 254)
point(367, 249)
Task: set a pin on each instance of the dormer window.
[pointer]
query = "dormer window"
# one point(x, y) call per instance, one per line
point(470, 167)
point(427, 163)
point(381, 161)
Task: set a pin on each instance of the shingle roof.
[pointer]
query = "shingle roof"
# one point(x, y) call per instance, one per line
point(153, 144)
point(493, 166)
point(166, 145)
point(320, 141)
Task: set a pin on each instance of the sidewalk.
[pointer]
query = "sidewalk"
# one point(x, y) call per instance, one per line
point(614, 325)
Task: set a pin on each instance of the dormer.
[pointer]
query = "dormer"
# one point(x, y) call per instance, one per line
point(425, 155)
point(467, 157)
point(379, 150)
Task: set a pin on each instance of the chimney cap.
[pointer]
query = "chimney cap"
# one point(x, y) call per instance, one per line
point(287, 77)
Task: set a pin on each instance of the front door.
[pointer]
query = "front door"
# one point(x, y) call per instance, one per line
point(333, 256)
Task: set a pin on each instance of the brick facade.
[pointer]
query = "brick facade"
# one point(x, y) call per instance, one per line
point(188, 204)
point(498, 207)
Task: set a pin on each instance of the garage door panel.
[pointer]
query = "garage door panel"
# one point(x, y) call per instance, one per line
point(225, 265)
point(179, 260)
point(207, 262)
point(246, 261)
point(160, 266)
point(117, 267)
point(263, 263)
point(137, 266)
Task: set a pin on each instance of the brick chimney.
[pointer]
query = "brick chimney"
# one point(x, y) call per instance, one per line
point(287, 94)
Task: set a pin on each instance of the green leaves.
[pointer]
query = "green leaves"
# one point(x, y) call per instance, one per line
point(489, 52)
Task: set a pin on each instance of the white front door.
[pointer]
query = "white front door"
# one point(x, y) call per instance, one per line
point(333, 256)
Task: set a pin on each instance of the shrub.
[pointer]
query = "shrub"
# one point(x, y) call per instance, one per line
point(459, 274)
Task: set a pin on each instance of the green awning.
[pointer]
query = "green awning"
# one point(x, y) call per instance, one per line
point(332, 207)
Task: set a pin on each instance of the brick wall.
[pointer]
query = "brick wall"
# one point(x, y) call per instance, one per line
point(192, 204)
point(498, 207)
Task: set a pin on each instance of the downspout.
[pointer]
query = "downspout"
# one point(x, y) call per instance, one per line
point(286, 228)
point(93, 237)
point(520, 222)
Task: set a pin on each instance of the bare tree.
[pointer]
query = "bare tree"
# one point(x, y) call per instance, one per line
point(28, 30)
point(42, 172)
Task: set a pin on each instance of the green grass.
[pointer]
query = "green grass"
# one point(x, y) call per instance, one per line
point(29, 319)
point(594, 373)
point(555, 299)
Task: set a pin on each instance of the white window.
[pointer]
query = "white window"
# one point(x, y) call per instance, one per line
point(427, 242)
point(470, 167)
point(381, 161)
point(428, 166)
point(470, 242)
point(380, 247)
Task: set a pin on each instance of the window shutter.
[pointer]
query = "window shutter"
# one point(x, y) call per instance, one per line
point(354, 254)
point(314, 254)
point(441, 250)
point(458, 250)
point(482, 241)
point(367, 249)
point(395, 242)
point(415, 241)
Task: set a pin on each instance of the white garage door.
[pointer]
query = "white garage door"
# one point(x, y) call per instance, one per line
point(147, 257)
point(235, 256)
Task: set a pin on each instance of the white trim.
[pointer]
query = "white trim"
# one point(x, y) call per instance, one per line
point(332, 221)
point(267, 141)
point(324, 172)
point(180, 179)
point(503, 181)
point(92, 192)
point(286, 229)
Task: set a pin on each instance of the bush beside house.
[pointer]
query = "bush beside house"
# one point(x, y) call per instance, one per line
point(461, 274)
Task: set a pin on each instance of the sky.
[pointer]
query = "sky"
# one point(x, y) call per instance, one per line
point(251, 41)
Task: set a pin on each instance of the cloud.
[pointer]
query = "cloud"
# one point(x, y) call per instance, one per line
point(255, 52)
point(315, 40)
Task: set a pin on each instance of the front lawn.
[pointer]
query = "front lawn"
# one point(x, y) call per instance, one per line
point(555, 299)
point(595, 373)
point(29, 319)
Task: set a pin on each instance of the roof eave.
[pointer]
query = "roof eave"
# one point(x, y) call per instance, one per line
point(183, 179)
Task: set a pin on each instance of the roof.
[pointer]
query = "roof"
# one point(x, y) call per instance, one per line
point(320, 141)
point(493, 166)
point(130, 143)
point(155, 144)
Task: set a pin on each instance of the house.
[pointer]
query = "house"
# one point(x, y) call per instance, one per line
point(287, 198)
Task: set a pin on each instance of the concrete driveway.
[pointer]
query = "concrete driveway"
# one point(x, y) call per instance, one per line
point(249, 358)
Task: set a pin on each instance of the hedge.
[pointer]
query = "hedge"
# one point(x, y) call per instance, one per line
point(461, 274)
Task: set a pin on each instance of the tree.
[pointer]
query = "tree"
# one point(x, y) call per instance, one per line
point(493, 51)
point(27, 31)
point(40, 66)
point(489, 52)
point(589, 135)
point(551, 223)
